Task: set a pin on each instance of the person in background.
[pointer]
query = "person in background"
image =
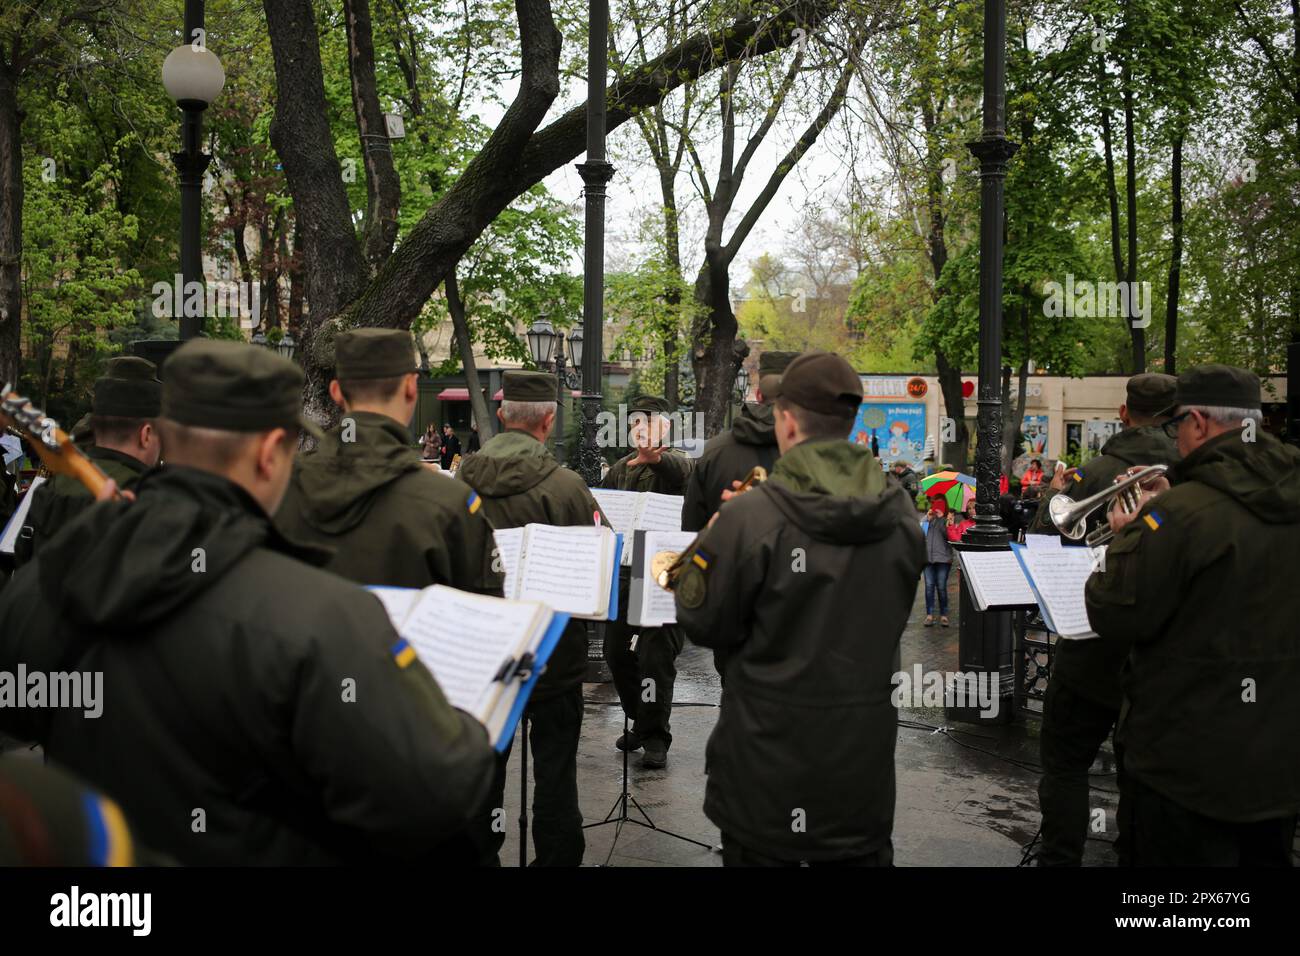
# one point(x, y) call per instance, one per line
point(959, 525)
point(474, 444)
point(907, 478)
point(450, 446)
point(432, 443)
point(1032, 478)
point(938, 561)
point(875, 445)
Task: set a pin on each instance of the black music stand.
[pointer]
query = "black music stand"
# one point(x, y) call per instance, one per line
point(620, 806)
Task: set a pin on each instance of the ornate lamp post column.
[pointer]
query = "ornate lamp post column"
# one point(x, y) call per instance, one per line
point(985, 642)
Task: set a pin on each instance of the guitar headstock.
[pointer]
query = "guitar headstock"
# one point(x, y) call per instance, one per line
point(52, 443)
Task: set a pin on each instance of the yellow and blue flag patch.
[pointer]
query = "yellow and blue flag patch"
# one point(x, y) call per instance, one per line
point(473, 502)
point(107, 834)
point(403, 653)
point(1154, 520)
point(702, 559)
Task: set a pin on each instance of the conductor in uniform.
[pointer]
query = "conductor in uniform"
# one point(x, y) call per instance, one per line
point(801, 763)
point(1191, 583)
point(255, 709)
point(519, 481)
point(1083, 695)
point(126, 445)
point(643, 660)
point(364, 492)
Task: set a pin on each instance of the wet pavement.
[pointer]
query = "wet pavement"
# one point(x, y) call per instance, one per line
point(967, 794)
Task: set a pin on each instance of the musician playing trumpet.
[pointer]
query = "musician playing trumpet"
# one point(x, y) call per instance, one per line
point(1192, 583)
point(1083, 693)
point(807, 579)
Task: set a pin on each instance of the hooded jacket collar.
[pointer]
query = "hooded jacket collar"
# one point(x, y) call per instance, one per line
point(755, 426)
point(339, 481)
point(509, 463)
point(1143, 445)
point(835, 491)
point(1262, 475)
point(123, 565)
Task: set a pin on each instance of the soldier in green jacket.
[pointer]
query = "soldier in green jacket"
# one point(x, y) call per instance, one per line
point(801, 762)
point(643, 660)
point(731, 455)
point(365, 493)
point(1193, 583)
point(253, 709)
point(1083, 695)
point(520, 482)
point(126, 444)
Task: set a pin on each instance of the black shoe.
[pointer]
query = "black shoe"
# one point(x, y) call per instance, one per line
point(656, 755)
point(628, 741)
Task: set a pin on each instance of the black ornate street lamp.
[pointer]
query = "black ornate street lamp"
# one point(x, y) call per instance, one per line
point(985, 640)
point(596, 174)
point(193, 77)
point(546, 348)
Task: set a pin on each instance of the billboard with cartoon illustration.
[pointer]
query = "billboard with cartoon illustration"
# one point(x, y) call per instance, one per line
point(1033, 435)
point(899, 430)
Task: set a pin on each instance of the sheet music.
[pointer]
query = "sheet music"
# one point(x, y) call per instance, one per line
point(509, 545)
point(660, 512)
point(619, 508)
point(657, 604)
point(568, 568)
point(465, 638)
point(1038, 541)
point(997, 578)
point(1060, 575)
point(397, 602)
point(10, 536)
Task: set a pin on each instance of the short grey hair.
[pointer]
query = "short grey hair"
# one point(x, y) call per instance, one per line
point(1223, 415)
point(527, 415)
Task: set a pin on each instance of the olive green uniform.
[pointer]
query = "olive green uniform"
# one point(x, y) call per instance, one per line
point(520, 482)
point(62, 497)
point(728, 457)
point(636, 655)
point(808, 580)
point(1083, 695)
point(1211, 757)
point(390, 520)
point(254, 708)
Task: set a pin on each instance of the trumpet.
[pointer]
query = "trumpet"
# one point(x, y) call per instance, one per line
point(1071, 517)
point(667, 566)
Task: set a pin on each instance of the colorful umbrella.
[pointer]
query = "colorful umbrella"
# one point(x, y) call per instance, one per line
point(956, 489)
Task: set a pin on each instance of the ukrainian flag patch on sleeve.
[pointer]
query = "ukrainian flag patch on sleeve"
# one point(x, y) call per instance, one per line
point(108, 839)
point(1154, 520)
point(702, 559)
point(403, 653)
point(473, 502)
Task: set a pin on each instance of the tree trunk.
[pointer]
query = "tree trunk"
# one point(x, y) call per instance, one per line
point(11, 228)
point(1176, 252)
point(1138, 332)
point(383, 189)
point(953, 452)
point(477, 403)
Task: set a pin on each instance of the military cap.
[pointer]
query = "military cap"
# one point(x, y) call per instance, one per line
point(1149, 392)
point(770, 367)
point(373, 353)
point(522, 386)
point(820, 382)
point(129, 388)
point(231, 386)
point(1223, 386)
point(649, 405)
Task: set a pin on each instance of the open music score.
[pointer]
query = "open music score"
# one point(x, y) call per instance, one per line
point(572, 569)
point(631, 511)
point(649, 604)
point(486, 653)
point(1058, 577)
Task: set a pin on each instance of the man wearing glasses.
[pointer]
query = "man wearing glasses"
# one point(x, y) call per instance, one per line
point(1193, 582)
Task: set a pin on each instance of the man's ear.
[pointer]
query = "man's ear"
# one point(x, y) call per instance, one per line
point(144, 435)
point(271, 447)
point(499, 418)
point(411, 387)
point(336, 393)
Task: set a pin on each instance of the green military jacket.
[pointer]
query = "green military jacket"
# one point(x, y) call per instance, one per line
point(1196, 587)
point(388, 518)
point(729, 457)
point(808, 581)
point(254, 709)
point(1091, 668)
point(520, 482)
point(62, 497)
point(668, 477)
